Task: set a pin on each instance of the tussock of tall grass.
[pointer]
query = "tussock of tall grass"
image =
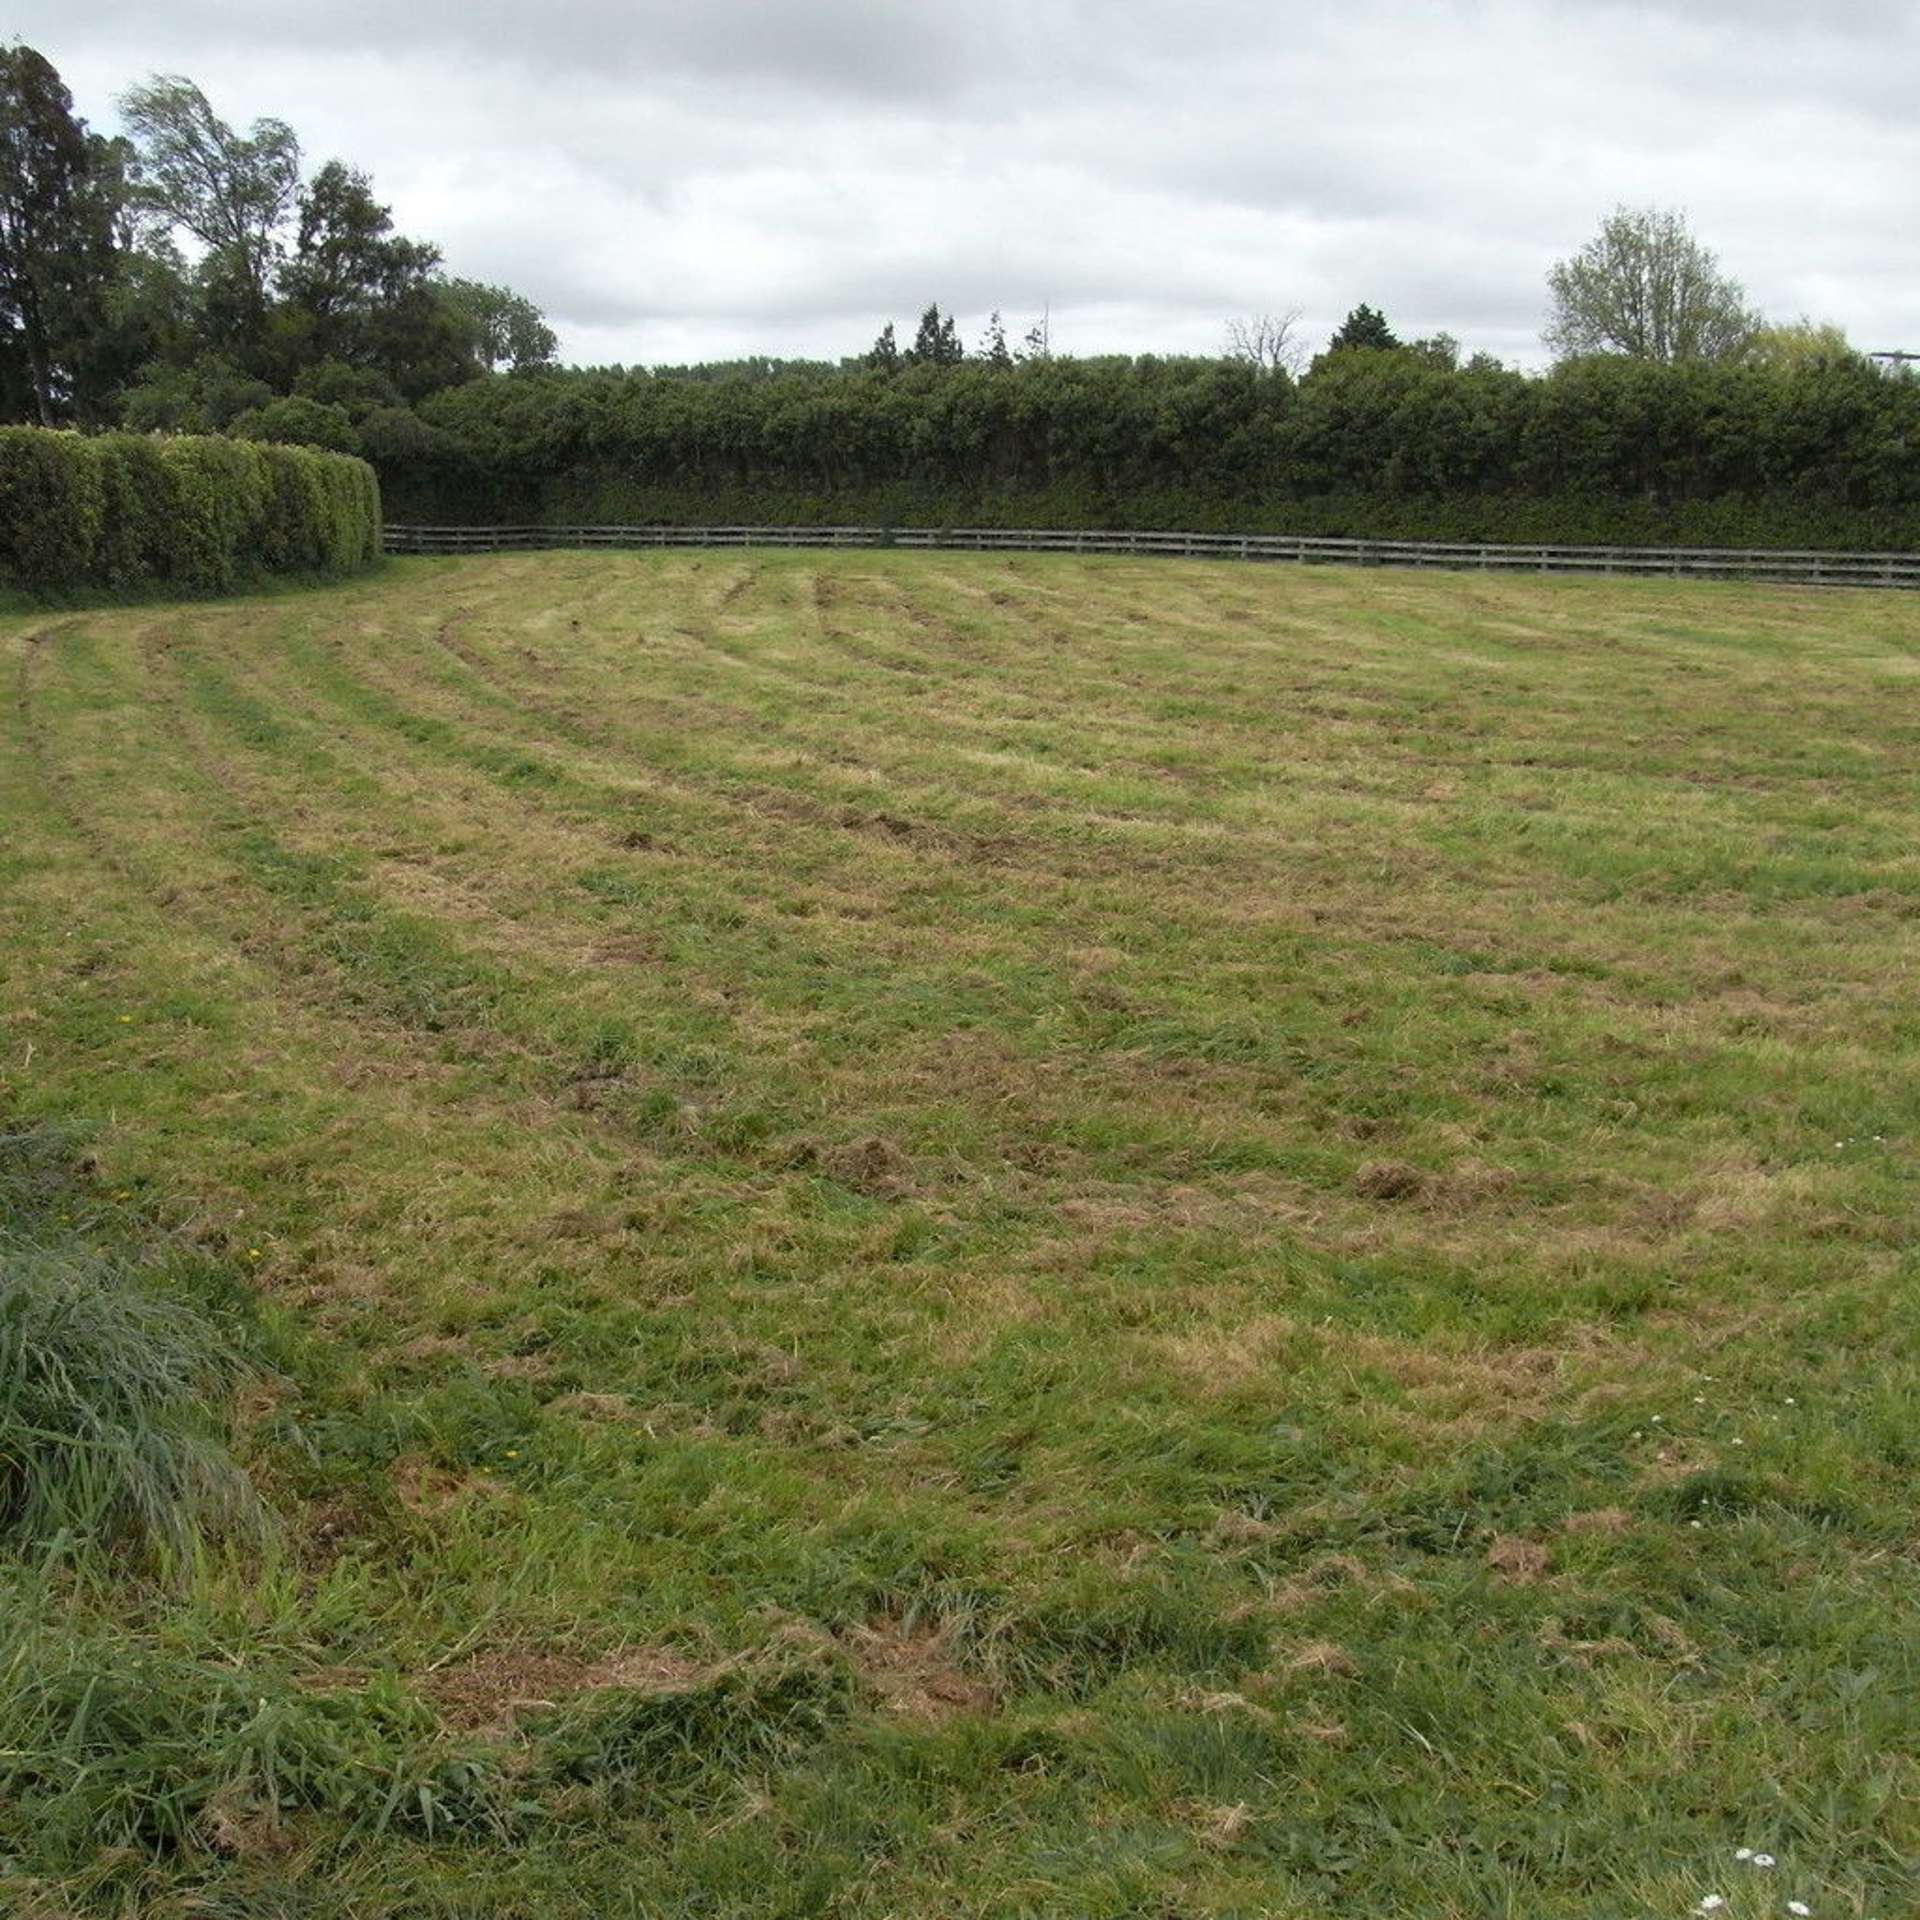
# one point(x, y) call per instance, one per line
point(113, 1385)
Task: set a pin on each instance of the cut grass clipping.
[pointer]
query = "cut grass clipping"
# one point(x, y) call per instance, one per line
point(895, 1234)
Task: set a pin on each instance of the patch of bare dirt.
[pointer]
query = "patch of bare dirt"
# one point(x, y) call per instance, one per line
point(325, 1529)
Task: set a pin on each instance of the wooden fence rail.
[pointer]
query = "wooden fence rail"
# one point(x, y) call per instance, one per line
point(1801, 565)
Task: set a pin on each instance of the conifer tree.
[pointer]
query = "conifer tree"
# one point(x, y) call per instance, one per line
point(59, 187)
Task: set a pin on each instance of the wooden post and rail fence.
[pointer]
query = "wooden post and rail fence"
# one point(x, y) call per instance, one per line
point(1801, 566)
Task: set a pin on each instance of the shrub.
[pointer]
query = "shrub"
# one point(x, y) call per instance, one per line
point(356, 391)
point(298, 422)
point(394, 435)
point(128, 511)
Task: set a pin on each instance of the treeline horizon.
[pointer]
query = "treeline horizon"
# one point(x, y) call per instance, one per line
point(1808, 443)
point(1674, 411)
point(1368, 440)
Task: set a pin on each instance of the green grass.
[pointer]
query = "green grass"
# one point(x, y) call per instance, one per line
point(948, 1235)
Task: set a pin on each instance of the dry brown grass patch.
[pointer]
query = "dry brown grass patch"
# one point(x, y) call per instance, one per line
point(1599, 1520)
point(1552, 1638)
point(1389, 1180)
point(1322, 1656)
point(913, 1671)
point(1521, 1561)
point(230, 1826)
point(489, 1690)
point(429, 1490)
point(599, 1406)
point(1678, 1459)
point(1222, 1359)
point(1452, 1387)
point(1221, 1827)
point(873, 1166)
point(1741, 1193)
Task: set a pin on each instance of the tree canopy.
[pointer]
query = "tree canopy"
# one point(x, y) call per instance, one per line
point(230, 191)
point(188, 274)
point(1644, 287)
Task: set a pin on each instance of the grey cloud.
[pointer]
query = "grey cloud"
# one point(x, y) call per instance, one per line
point(783, 175)
point(875, 48)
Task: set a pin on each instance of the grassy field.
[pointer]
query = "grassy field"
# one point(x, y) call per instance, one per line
point(939, 1236)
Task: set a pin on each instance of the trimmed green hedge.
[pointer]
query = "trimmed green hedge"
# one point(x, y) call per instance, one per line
point(1374, 442)
point(125, 512)
point(1557, 519)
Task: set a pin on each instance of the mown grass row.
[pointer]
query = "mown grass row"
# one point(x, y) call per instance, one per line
point(963, 1237)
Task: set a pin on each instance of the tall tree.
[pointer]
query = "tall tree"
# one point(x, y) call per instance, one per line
point(1365, 326)
point(993, 343)
point(937, 343)
point(1644, 287)
point(231, 191)
point(504, 328)
point(358, 292)
point(58, 186)
point(1267, 342)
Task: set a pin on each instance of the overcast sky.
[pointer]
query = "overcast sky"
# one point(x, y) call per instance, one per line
point(692, 179)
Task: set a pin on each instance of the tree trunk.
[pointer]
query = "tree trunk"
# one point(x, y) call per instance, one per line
point(42, 376)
